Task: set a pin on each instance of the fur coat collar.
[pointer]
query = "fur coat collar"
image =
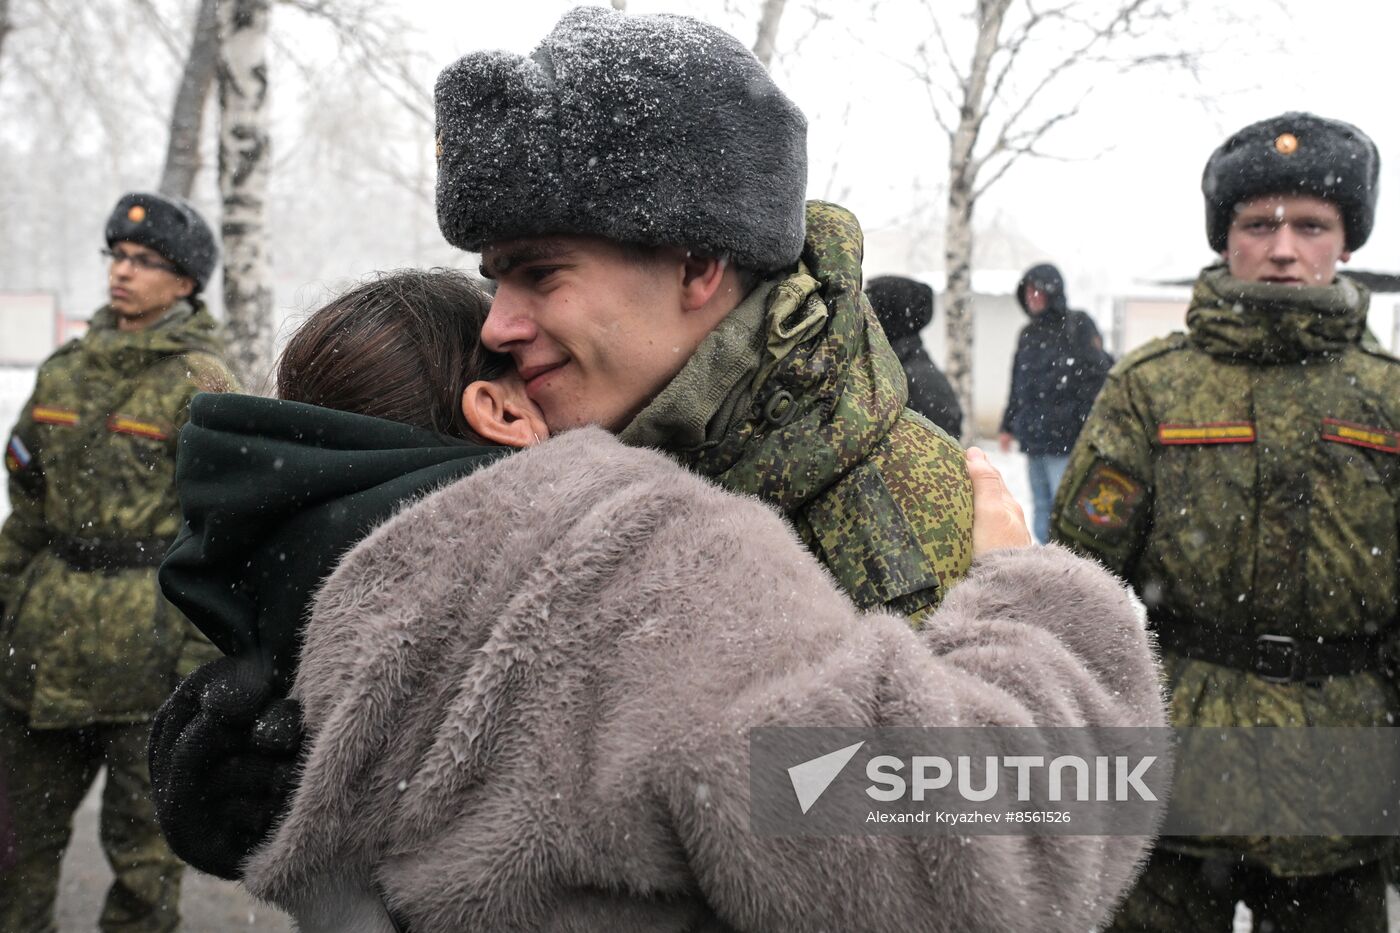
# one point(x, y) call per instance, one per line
point(528, 698)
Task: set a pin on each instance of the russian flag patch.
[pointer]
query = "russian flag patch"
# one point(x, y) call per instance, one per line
point(17, 456)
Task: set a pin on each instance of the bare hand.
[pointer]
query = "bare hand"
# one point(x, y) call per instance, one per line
point(997, 519)
point(1004, 441)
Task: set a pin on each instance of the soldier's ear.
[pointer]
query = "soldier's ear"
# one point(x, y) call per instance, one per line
point(186, 286)
point(501, 412)
point(701, 277)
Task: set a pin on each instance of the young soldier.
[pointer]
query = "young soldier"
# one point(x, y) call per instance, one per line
point(88, 652)
point(636, 189)
point(1243, 476)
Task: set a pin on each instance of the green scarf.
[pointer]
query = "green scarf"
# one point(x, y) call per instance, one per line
point(1266, 323)
point(273, 494)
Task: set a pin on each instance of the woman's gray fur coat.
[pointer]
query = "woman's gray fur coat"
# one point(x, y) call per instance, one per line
point(514, 688)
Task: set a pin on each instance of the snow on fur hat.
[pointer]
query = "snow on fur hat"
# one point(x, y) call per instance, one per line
point(1296, 153)
point(170, 227)
point(655, 130)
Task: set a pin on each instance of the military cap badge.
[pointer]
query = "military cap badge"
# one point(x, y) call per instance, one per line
point(1286, 143)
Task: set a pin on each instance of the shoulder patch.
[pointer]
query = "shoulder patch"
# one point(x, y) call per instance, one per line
point(1360, 435)
point(52, 414)
point(1107, 497)
point(121, 424)
point(1210, 432)
point(17, 456)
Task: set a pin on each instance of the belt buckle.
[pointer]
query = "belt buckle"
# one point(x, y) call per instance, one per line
point(1283, 648)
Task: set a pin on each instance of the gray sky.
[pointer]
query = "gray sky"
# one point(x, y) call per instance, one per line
point(1129, 206)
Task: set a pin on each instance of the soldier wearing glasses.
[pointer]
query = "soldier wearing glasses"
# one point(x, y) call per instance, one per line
point(87, 650)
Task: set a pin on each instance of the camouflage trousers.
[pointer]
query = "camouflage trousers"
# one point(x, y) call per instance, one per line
point(1184, 894)
point(47, 772)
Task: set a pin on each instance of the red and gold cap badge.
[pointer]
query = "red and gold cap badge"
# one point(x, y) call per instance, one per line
point(1286, 143)
point(136, 213)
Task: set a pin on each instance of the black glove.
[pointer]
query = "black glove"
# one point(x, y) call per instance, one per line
point(224, 756)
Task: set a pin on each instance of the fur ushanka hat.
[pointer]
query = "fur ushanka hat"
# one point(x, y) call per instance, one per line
point(170, 227)
point(1296, 153)
point(654, 130)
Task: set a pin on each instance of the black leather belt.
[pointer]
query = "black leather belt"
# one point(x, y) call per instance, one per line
point(94, 555)
point(1275, 658)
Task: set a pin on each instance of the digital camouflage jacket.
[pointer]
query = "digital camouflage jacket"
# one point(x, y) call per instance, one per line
point(91, 467)
point(809, 415)
point(1244, 478)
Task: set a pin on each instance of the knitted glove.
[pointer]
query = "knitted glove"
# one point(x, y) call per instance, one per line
point(224, 755)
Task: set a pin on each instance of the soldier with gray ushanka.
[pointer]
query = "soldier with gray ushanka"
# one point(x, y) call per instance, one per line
point(88, 651)
point(1244, 477)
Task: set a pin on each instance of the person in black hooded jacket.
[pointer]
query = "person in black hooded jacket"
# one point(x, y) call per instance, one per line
point(1059, 368)
point(905, 307)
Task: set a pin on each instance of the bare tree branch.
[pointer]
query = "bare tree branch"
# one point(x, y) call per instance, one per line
point(187, 116)
point(817, 19)
point(1010, 135)
point(168, 36)
point(1024, 144)
point(363, 28)
point(999, 96)
point(768, 31)
point(1011, 49)
point(948, 57)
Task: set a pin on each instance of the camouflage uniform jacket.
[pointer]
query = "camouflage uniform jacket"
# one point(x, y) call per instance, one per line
point(92, 461)
point(819, 429)
point(1245, 478)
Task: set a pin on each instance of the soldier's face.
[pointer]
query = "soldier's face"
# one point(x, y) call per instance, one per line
point(596, 330)
point(1290, 239)
point(141, 291)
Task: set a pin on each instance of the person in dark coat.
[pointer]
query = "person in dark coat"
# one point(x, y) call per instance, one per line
point(1059, 368)
point(905, 307)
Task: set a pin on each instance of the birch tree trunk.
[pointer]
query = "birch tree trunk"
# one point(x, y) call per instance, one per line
point(244, 163)
point(768, 31)
point(187, 118)
point(963, 168)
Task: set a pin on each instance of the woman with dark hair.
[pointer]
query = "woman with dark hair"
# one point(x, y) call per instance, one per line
point(406, 347)
point(527, 694)
point(384, 394)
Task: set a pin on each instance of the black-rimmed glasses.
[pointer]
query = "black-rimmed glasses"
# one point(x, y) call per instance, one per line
point(139, 260)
